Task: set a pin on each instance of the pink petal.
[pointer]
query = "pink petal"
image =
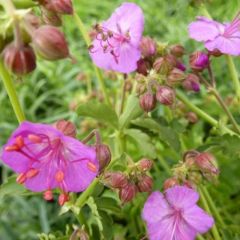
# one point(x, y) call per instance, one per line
point(155, 208)
point(205, 29)
point(198, 219)
point(225, 45)
point(184, 232)
point(181, 197)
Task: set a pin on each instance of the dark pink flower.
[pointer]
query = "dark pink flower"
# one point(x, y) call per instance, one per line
point(116, 46)
point(217, 36)
point(46, 159)
point(175, 215)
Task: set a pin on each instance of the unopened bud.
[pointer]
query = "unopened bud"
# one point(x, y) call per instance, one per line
point(175, 77)
point(50, 43)
point(165, 95)
point(51, 18)
point(191, 83)
point(148, 47)
point(145, 164)
point(48, 195)
point(63, 6)
point(115, 179)
point(181, 66)
point(170, 182)
point(189, 157)
point(63, 198)
point(143, 66)
point(141, 88)
point(192, 117)
point(127, 193)
point(199, 61)
point(103, 156)
point(207, 163)
point(68, 128)
point(164, 65)
point(177, 50)
point(145, 183)
point(147, 102)
point(19, 60)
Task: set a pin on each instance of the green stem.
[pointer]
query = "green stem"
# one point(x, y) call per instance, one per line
point(9, 86)
point(98, 73)
point(234, 75)
point(201, 113)
point(205, 205)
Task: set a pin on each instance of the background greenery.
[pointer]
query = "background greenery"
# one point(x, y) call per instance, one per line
point(50, 92)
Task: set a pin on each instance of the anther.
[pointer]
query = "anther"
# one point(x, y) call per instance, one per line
point(21, 178)
point(34, 138)
point(32, 173)
point(92, 167)
point(59, 176)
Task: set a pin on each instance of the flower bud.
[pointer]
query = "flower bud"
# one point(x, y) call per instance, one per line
point(48, 195)
point(50, 43)
point(215, 53)
point(191, 83)
point(143, 66)
point(148, 47)
point(195, 178)
point(68, 128)
point(207, 163)
point(103, 156)
point(51, 18)
point(145, 183)
point(175, 77)
point(19, 60)
point(63, 6)
point(147, 102)
point(170, 182)
point(164, 65)
point(127, 193)
point(189, 157)
point(165, 95)
point(181, 66)
point(63, 198)
point(177, 50)
point(199, 61)
point(192, 117)
point(145, 164)
point(140, 88)
point(115, 179)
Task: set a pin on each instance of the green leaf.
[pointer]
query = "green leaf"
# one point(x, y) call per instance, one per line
point(11, 188)
point(132, 110)
point(166, 133)
point(143, 141)
point(100, 112)
point(107, 225)
point(107, 203)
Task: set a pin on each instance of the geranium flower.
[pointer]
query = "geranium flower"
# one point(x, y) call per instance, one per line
point(116, 44)
point(46, 159)
point(175, 215)
point(217, 36)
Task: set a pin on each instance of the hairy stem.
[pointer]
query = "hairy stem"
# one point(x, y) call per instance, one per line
point(9, 86)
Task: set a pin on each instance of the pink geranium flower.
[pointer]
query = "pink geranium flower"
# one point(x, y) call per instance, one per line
point(116, 45)
point(175, 215)
point(46, 159)
point(217, 36)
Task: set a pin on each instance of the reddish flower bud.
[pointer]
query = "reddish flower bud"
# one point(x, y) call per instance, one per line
point(19, 60)
point(189, 157)
point(181, 66)
point(127, 193)
point(48, 195)
point(103, 156)
point(143, 66)
point(147, 102)
point(145, 164)
point(164, 65)
point(68, 128)
point(63, 198)
point(145, 183)
point(207, 163)
point(63, 6)
point(191, 83)
point(170, 182)
point(115, 179)
point(175, 77)
point(50, 43)
point(199, 61)
point(192, 117)
point(177, 50)
point(165, 95)
point(148, 47)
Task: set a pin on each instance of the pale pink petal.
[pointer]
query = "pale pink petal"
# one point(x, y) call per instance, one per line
point(205, 29)
point(198, 219)
point(181, 197)
point(184, 232)
point(225, 45)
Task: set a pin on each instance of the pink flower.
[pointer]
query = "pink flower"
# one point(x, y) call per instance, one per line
point(217, 36)
point(175, 215)
point(116, 46)
point(46, 159)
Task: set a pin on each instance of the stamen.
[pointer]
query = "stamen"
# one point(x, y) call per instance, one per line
point(92, 167)
point(32, 173)
point(63, 197)
point(19, 141)
point(21, 178)
point(59, 176)
point(48, 195)
point(12, 148)
point(34, 138)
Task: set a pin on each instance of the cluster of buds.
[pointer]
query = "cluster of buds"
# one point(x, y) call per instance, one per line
point(195, 167)
point(130, 184)
point(31, 37)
